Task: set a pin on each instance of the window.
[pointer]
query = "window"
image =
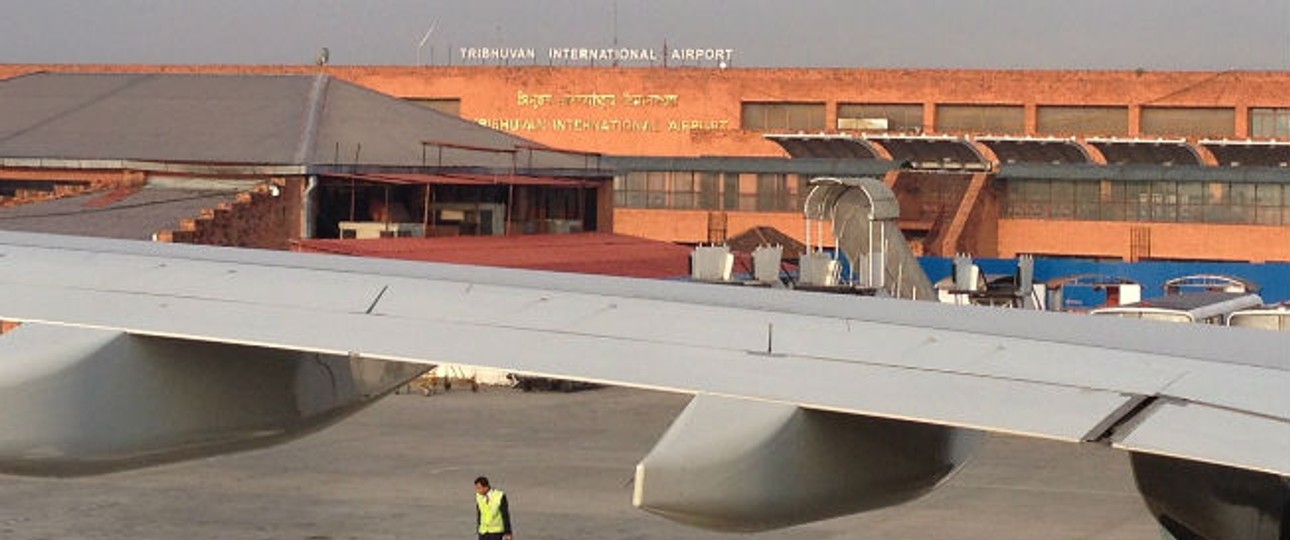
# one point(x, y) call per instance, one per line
point(656, 186)
point(1063, 199)
point(444, 105)
point(688, 190)
point(709, 191)
point(783, 116)
point(1158, 201)
point(629, 190)
point(880, 117)
point(1268, 200)
point(1063, 120)
point(779, 192)
point(980, 118)
point(1189, 121)
point(683, 191)
point(1270, 123)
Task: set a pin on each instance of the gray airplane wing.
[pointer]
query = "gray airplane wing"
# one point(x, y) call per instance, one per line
point(1214, 395)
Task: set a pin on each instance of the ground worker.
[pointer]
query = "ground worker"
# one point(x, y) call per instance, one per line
point(492, 515)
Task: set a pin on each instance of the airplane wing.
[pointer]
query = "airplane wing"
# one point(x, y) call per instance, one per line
point(1214, 395)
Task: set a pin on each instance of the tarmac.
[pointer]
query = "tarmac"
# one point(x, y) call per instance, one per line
point(404, 468)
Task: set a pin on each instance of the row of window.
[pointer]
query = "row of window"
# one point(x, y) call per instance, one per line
point(1050, 119)
point(685, 190)
point(1163, 201)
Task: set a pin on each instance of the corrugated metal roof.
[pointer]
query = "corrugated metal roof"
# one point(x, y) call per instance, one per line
point(583, 253)
point(243, 119)
point(128, 215)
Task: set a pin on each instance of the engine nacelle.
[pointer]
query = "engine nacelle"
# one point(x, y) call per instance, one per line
point(76, 401)
point(1201, 501)
point(737, 465)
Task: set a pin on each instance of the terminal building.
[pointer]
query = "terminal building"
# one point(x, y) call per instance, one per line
point(1111, 165)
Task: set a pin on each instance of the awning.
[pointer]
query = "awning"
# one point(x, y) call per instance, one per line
point(1146, 151)
point(468, 180)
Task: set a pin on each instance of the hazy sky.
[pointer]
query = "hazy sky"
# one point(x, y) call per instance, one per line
point(1114, 34)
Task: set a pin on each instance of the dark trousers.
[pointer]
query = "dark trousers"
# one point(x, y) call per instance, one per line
point(490, 536)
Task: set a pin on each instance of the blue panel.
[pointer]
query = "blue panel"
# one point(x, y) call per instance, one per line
point(1273, 278)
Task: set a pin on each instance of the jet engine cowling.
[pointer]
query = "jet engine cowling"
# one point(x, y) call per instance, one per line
point(737, 465)
point(77, 401)
point(1201, 501)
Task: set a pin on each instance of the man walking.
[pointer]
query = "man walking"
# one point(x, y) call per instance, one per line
point(492, 515)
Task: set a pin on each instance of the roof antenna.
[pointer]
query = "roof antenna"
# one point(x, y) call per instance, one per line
point(425, 38)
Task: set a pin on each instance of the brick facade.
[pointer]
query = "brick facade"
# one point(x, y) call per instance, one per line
point(697, 112)
point(268, 217)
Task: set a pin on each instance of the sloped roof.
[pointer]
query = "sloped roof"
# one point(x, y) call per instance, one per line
point(236, 119)
point(133, 215)
point(749, 240)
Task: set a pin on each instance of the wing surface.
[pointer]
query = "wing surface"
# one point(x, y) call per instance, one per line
point(1211, 394)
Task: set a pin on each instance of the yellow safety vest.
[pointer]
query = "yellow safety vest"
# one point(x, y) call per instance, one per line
point(490, 512)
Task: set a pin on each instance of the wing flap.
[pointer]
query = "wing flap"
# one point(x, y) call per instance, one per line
point(1223, 436)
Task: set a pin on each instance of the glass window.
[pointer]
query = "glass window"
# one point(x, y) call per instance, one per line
point(682, 181)
point(709, 191)
point(656, 182)
point(1112, 191)
point(1216, 194)
point(1065, 120)
point(980, 118)
point(1191, 201)
point(1114, 211)
point(634, 199)
point(1270, 123)
point(772, 193)
point(1268, 215)
point(1087, 200)
point(1243, 194)
point(730, 191)
point(635, 181)
point(783, 116)
point(1189, 121)
point(1268, 194)
point(880, 117)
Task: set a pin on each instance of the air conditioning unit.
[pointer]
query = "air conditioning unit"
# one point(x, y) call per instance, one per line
point(711, 263)
point(377, 229)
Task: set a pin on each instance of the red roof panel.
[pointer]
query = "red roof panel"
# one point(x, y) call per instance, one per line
point(584, 253)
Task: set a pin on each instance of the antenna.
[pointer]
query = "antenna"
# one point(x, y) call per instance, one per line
point(425, 38)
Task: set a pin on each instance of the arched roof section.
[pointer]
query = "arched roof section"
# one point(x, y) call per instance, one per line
point(826, 145)
point(1147, 151)
point(932, 151)
point(1248, 153)
point(1051, 150)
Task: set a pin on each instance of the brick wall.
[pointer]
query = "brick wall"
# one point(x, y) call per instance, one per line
point(696, 111)
point(1113, 239)
point(257, 219)
point(72, 182)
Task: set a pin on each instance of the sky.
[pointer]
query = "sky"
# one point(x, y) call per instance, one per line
point(1007, 34)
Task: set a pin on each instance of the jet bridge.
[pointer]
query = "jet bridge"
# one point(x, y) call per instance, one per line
point(863, 213)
